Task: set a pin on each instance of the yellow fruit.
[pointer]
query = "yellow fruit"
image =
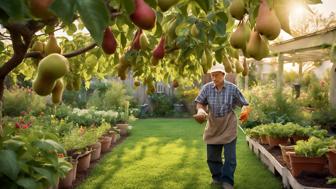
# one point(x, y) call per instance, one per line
point(194, 30)
point(239, 67)
point(246, 69)
point(240, 36)
point(57, 92)
point(52, 46)
point(227, 64)
point(267, 23)
point(257, 47)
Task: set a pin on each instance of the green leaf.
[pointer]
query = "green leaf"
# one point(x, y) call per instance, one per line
point(95, 17)
point(64, 9)
point(128, 5)
point(45, 173)
point(27, 183)
point(205, 5)
point(8, 164)
point(14, 9)
point(48, 145)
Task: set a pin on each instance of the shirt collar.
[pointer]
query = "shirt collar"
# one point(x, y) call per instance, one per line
point(214, 87)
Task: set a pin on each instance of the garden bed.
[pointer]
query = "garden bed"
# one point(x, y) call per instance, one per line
point(273, 160)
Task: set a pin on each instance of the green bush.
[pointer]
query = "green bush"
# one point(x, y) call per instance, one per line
point(162, 105)
point(325, 117)
point(18, 100)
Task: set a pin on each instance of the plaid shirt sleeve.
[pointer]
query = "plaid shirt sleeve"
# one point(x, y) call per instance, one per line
point(239, 99)
point(202, 96)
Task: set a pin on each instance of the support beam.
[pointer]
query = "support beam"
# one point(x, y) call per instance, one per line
point(279, 84)
point(333, 86)
point(320, 39)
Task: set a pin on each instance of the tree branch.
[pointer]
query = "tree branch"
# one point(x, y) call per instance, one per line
point(80, 51)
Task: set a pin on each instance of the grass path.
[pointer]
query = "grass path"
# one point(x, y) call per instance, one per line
point(170, 154)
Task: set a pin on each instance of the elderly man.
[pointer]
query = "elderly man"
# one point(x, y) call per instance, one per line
point(221, 97)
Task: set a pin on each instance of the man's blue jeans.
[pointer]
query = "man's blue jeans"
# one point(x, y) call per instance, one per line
point(219, 171)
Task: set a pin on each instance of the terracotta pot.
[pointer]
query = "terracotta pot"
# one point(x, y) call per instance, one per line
point(263, 139)
point(123, 128)
point(105, 143)
point(272, 141)
point(285, 156)
point(307, 164)
point(331, 155)
point(113, 135)
point(66, 182)
point(96, 151)
point(295, 138)
point(84, 161)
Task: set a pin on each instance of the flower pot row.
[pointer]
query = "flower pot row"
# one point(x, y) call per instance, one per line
point(82, 159)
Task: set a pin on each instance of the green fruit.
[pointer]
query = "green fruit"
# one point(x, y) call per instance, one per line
point(237, 9)
point(194, 30)
point(257, 47)
point(166, 4)
point(240, 37)
point(50, 68)
point(57, 92)
point(227, 64)
point(38, 46)
point(52, 46)
point(239, 67)
point(282, 9)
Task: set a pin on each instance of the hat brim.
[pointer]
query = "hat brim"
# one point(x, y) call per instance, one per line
point(217, 70)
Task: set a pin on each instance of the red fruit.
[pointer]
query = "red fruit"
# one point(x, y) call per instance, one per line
point(143, 15)
point(136, 40)
point(109, 43)
point(17, 125)
point(39, 8)
point(25, 127)
point(159, 50)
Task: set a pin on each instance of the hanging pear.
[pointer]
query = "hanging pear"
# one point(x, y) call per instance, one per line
point(143, 15)
point(267, 23)
point(39, 8)
point(227, 64)
point(282, 9)
point(239, 67)
point(52, 46)
point(136, 40)
point(257, 47)
point(159, 51)
point(240, 37)
point(109, 44)
point(237, 9)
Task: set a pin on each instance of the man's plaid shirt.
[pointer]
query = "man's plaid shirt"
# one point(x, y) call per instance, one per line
point(221, 102)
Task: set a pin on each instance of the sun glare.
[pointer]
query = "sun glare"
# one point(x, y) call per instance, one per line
point(298, 11)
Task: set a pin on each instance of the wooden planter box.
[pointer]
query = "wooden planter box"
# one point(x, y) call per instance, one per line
point(299, 164)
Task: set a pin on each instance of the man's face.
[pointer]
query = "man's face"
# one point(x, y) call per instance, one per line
point(217, 78)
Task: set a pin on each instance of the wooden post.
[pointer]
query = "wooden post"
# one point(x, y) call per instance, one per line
point(332, 96)
point(279, 83)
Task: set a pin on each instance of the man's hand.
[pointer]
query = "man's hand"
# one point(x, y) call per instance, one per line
point(201, 115)
point(245, 114)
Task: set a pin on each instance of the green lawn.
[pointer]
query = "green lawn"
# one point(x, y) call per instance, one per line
point(170, 153)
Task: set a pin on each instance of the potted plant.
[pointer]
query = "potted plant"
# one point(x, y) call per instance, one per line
point(331, 155)
point(123, 125)
point(67, 181)
point(299, 132)
point(308, 156)
point(278, 134)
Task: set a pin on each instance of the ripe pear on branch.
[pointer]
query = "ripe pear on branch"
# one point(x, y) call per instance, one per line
point(39, 8)
point(109, 44)
point(237, 9)
point(143, 15)
point(267, 23)
point(52, 46)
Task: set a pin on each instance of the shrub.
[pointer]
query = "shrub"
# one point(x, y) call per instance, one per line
point(17, 100)
point(162, 105)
